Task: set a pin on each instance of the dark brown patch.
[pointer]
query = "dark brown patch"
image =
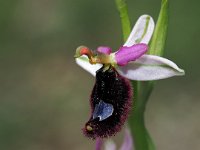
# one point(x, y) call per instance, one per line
point(111, 88)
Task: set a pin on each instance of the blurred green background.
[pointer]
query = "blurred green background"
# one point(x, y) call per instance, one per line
point(44, 94)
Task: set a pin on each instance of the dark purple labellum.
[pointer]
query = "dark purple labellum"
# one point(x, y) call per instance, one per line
point(110, 104)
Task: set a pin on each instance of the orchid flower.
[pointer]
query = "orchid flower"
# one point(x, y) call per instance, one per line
point(111, 97)
point(130, 60)
point(110, 145)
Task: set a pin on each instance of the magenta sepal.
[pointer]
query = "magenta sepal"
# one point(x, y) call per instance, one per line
point(126, 54)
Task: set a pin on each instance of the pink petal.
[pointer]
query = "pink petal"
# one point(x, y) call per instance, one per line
point(104, 50)
point(128, 141)
point(99, 144)
point(126, 54)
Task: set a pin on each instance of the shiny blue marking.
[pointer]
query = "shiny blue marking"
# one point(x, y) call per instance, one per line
point(102, 110)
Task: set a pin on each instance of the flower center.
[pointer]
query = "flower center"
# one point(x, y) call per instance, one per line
point(95, 57)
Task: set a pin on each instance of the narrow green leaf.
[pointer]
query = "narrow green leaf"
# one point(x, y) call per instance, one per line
point(142, 90)
point(123, 11)
point(160, 34)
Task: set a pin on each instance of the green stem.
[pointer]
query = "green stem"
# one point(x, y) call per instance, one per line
point(142, 90)
point(142, 140)
point(125, 21)
point(136, 122)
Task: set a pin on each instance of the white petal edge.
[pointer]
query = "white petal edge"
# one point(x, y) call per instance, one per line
point(142, 31)
point(150, 67)
point(109, 145)
point(83, 62)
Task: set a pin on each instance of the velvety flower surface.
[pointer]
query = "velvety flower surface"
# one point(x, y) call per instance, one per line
point(110, 102)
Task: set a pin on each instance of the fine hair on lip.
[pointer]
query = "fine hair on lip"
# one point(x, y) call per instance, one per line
point(111, 91)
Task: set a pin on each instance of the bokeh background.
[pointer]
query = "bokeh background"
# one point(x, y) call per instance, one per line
point(44, 94)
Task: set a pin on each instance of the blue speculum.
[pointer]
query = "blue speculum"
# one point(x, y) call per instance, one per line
point(102, 110)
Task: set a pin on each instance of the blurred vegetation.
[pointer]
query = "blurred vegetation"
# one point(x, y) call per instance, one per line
point(44, 94)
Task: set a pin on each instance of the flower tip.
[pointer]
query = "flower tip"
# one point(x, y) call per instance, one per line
point(182, 72)
point(82, 50)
